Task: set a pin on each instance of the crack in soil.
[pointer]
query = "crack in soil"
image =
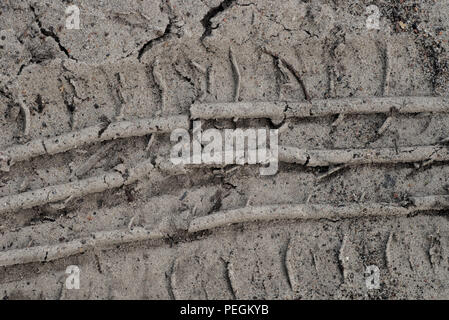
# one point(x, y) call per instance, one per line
point(212, 13)
point(51, 34)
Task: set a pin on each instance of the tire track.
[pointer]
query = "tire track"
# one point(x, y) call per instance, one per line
point(80, 188)
point(303, 212)
point(97, 133)
point(319, 107)
point(322, 158)
point(316, 212)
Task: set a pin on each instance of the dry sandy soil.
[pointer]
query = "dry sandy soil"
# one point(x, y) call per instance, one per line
point(85, 123)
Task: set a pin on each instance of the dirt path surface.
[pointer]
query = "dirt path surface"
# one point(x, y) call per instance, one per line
point(358, 91)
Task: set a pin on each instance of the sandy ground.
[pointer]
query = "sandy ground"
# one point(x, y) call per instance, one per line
point(85, 122)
